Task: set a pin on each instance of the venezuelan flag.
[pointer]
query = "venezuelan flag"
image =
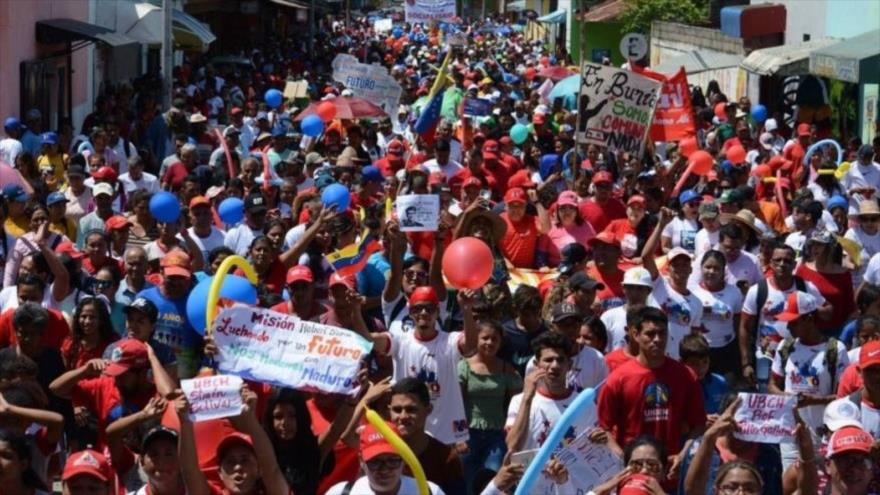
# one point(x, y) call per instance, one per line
point(426, 125)
point(351, 259)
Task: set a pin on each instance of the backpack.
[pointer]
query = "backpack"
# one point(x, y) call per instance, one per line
point(831, 349)
point(761, 299)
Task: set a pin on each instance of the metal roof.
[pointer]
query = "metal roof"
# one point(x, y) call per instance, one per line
point(784, 60)
point(698, 61)
point(69, 30)
point(843, 60)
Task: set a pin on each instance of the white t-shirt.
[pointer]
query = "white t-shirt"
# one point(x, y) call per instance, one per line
point(9, 150)
point(361, 486)
point(703, 242)
point(239, 238)
point(871, 419)
point(402, 321)
point(434, 362)
point(683, 233)
point(449, 170)
point(544, 414)
point(719, 309)
point(872, 271)
point(826, 221)
point(745, 267)
point(870, 246)
point(147, 182)
point(615, 324)
point(588, 369)
point(9, 298)
point(806, 372)
point(768, 326)
point(685, 312)
point(206, 244)
point(861, 176)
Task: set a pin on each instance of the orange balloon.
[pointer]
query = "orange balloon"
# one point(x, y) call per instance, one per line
point(326, 110)
point(688, 145)
point(701, 162)
point(736, 154)
point(468, 263)
point(720, 113)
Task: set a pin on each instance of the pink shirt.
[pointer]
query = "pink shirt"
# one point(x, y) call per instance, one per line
point(559, 237)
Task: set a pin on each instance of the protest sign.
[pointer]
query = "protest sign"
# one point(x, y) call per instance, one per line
point(265, 346)
point(382, 25)
point(477, 107)
point(418, 212)
point(615, 108)
point(589, 464)
point(429, 10)
point(213, 397)
point(296, 89)
point(457, 39)
point(765, 418)
point(674, 116)
point(371, 82)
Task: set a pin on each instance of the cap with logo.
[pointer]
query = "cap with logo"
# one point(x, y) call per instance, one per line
point(299, 273)
point(581, 280)
point(70, 250)
point(374, 444)
point(689, 196)
point(638, 276)
point(565, 310)
point(708, 210)
point(515, 196)
point(129, 355)
point(521, 179)
point(603, 177)
point(637, 200)
point(635, 484)
point(176, 263)
point(798, 304)
point(255, 203)
point(869, 355)
point(14, 192)
point(55, 198)
point(804, 130)
point(841, 413)
point(116, 222)
point(678, 251)
point(199, 201)
point(87, 463)
point(144, 306)
point(105, 173)
point(102, 188)
point(337, 279)
point(232, 439)
point(48, 139)
point(850, 439)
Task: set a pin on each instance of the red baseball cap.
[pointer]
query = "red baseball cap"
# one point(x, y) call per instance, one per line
point(395, 147)
point(635, 484)
point(130, 354)
point(850, 439)
point(869, 355)
point(636, 199)
point(336, 279)
point(472, 182)
point(539, 118)
point(603, 177)
point(490, 146)
point(804, 130)
point(199, 201)
point(521, 179)
point(424, 294)
point(87, 463)
point(232, 439)
point(373, 444)
point(299, 273)
point(176, 263)
point(69, 249)
point(105, 173)
point(116, 222)
point(505, 141)
point(798, 304)
point(236, 111)
point(567, 198)
point(516, 196)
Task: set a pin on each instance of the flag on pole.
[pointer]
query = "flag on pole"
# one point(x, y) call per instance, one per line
point(426, 125)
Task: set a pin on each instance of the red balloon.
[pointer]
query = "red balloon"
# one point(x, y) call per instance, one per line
point(720, 112)
point(688, 145)
point(701, 162)
point(326, 110)
point(736, 154)
point(468, 263)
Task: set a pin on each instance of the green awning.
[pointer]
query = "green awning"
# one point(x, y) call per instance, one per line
point(843, 61)
point(557, 17)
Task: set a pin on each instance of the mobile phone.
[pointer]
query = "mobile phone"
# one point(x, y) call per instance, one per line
point(524, 457)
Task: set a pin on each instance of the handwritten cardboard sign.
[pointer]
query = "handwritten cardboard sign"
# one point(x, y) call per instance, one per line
point(418, 212)
point(615, 108)
point(213, 397)
point(589, 464)
point(765, 418)
point(270, 347)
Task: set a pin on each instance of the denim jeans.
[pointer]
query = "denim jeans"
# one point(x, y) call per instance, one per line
point(486, 452)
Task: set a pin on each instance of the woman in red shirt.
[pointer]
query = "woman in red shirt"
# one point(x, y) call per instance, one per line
point(632, 232)
point(92, 333)
point(834, 282)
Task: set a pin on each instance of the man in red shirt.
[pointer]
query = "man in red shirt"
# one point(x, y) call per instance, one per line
point(493, 167)
point(795, 151)
point(605, 268)
point(603, 207)
point(475, 170)
point(652, 394)
point(51, 334)
point(512, 162)
point(393, 160)
point(301, 286)
point(520, 243)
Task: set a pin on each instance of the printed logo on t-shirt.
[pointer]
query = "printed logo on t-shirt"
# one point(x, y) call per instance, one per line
point(804, 376)
point(687, 239)
point(656, 403)
point(459, 425)
point(677, 313)
point(429, 378)
point(629, 245)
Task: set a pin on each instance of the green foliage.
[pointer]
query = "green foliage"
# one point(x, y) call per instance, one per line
point(639, 13)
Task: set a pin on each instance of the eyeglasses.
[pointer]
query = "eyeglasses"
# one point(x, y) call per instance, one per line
point(871, 219)
point(415, 274)
point(734, 488)
point(391, 463)
point(422, 308)
point(649, 465)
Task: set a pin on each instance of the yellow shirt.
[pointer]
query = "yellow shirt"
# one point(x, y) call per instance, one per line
point(16, 228)
point(66, 227)
point(55, 165)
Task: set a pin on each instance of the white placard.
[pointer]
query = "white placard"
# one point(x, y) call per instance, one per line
point(371, 82)
point(589, 464)
point(429, 10)
point(213, 397)
point(418, 212)
point(382, 25)
point(765, 418)
point(634, 46)
point(282, 350)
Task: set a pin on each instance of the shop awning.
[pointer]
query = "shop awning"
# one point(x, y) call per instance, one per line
point(143, 22)
point(605, 12)
point(52, 31)
point(843, 60)
point(698, 61)
point(189, 32)
point(516, 6)
point(292, 4)
point(557, 17)
point(784, 60)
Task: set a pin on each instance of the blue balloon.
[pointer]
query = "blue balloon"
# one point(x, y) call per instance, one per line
point(549, 164)
point(336, 195)
point(759, 113)
point(312, 126)
point(165, 207)
point(397, 32)
point(231, 210)
point(235, 288)
point(274, 98)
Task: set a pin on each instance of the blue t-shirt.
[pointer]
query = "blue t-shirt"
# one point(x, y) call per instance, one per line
point(371, 280)
point(715, 387)
point(174, 330)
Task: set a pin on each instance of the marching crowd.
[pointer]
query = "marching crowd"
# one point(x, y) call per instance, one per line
point(761, 275)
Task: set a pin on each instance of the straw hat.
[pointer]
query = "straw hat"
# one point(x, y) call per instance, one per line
point(743, 217)
point(868, 207)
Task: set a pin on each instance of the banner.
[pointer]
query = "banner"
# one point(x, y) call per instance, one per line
point(589, 464)
point(371, 82)
point(429, 10)
point(269, 347)
point(674, 116)
point(382, 25)
point(765, 418)
point(477, 107)
point(615, 108)
point(418, 212)
point(213, 397)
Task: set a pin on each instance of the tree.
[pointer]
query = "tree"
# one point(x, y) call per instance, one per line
point(639, 13)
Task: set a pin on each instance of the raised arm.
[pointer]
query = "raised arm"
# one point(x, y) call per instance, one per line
point(247, 422)
point(516, 436)
point(650, 248)
point(697, 476)
point(396, 252)
point(64, 384)
point(165, 384)
point(193, 477)
point(290, 257)
point(117, 430)
point(466, 300)
point(53, 421)
point(61, 278)
point(195, 253)
point(436, 269)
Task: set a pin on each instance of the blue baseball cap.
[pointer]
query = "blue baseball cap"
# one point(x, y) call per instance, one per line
point(371, 173)
point(688, 196)
point(12, 124)
point(14, 192)
point(48, 139)
point(837, 202)
point(56, 197)
point(324, 180)
point(279, 132)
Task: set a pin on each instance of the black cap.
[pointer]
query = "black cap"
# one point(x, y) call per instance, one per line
point(442, 145)
point(156, 433)
point(866, 151)
point(255, 203)
point(76, 170)
point(574, 253)
point(581, 280)
point(145, 306)
point(565, 310)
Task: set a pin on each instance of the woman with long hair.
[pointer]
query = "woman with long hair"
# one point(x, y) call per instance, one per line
point(91, 332)
point(722, 303)
point(17, 477)
point(568, 227)
point(38, 239)
point(644, 457)
point(632, 232)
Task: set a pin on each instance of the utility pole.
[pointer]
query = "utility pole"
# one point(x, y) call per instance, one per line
point(167, 53)
point(311, 42)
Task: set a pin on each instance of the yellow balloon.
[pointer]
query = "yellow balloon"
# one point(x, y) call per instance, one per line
point(214, 294)
point(402, 448)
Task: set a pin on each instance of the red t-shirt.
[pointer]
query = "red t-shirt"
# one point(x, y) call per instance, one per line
point(347, 466)
point(612, 295)
point(175, 175)
point(513, 163)
point(92, 269)
point(83, 356)
point(101, 397)
point(600, 216)
point(457, 180)
point(837, 289)
point(625, 234)
point(53, 335)
point(499, 173)
point(276, 280)
point(850, 381)
point(665, 403)
point(389, 165)
point(520, 243)
point(616, 358)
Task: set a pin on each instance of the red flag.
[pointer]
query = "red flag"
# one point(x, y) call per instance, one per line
point(674, 114)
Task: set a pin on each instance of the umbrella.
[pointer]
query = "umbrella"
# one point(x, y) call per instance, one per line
point(9, 176)
point(555, 73)
point(347, 108)
point(569, 86)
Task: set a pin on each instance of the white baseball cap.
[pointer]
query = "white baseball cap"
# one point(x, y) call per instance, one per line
point(840, 413)
point(676, 252)
point(770, 125)
point(638, 276)
point(797, 304)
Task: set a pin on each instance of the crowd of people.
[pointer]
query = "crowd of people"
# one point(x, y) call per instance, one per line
point(762, 275)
